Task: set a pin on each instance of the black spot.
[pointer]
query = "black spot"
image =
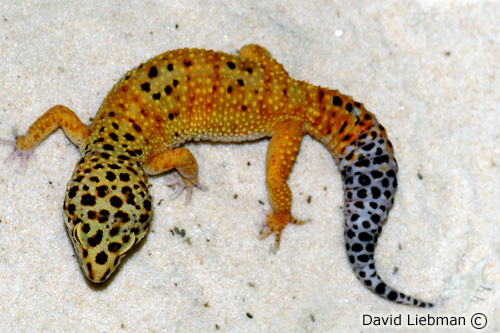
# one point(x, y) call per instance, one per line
point(365, 237)
point(168, 90)
point(368, 147)
point(116, 202)
point(363, 163)
point(241, 83)
point(359, 205)
point(110, 176)
point(105, 276)
point(175, 83)
point(249, 70)
point(125, 238)
point(147, 205)
point(137, 128)
point(114, 166)
point(102, 191)
point(380, 289)
point(364, 180)
point(143, 218)
point(113, 136)
point(350, 234)
point(354, 217)
point(348, 107)
point(89, 269)
point(72, 192)
point(156, 96)
point(96, 239)
point(123, 157)
point(171, 116)
point(170, 67)
point(376, 174)
point(127, 191)
point(94, 179)
point(343, 127)
point(357, 247)
point(98, 166)
point(113, 232)
point(229, 89)
point(129, 137)
point(153, 72)
point(124, 217)
point(86, 228)
point(71, 209)
point(385, 182)
point(363, 258)
point(381, 159)
point(91, 215)
point(362, 193)
point(101, 258)
point(124, 177)
point(114, 247)
point(231, 65)
point(103, 215)
point(145, 87)
point(337, 101)
point(132, 170)
point(88, 200)
point(108, 147)
point(187, 63)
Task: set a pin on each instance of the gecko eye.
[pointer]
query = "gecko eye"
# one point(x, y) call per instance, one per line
point(80, 235)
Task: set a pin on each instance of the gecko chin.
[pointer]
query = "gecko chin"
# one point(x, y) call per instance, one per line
point(107, 212)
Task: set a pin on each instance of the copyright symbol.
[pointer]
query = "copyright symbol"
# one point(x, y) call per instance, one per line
point(478, 321)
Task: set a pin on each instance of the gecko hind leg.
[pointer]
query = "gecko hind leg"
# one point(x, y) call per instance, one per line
point(281, 154)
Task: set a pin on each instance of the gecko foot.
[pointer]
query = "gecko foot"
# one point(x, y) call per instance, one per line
point(183, 184)
point(275, 223)
point(24, 155)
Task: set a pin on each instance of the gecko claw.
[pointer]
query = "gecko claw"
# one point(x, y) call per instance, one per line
point(24, 155)
point(181, 184)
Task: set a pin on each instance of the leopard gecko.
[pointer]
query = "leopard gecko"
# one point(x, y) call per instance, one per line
point(195, 94)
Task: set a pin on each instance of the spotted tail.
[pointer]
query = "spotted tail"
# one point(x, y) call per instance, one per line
point(369, 173)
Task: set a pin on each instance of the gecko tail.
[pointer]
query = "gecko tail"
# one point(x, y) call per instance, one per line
point(368, 170)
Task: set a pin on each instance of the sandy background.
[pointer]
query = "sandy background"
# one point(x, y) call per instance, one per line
point(429, 70)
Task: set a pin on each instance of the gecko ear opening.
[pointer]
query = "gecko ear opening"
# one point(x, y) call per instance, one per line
point(80, 236)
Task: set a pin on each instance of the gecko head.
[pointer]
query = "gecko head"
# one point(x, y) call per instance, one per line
point(107, 210)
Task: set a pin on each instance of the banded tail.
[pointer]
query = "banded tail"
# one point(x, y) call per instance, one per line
point(368, 170)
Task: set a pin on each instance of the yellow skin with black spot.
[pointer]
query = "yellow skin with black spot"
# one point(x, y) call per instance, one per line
point(195, 94)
